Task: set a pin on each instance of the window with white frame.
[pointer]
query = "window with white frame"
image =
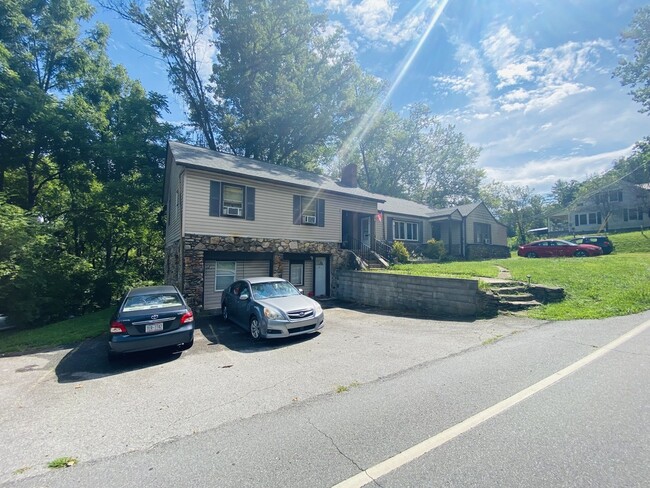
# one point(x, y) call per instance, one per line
point(224, 274)
point(632, 214)
point(233, 200)
point(405, 231)
point(296, 273)
point(591, 218)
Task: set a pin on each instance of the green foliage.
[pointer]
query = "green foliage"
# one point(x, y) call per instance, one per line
point(635, 72)
point(66, 332)
point(81, 163)
point(400, 253)
point(434, 249)
point(418, 158)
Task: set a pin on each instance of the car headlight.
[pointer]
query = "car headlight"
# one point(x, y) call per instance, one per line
point(272, 314)
point(318, 309)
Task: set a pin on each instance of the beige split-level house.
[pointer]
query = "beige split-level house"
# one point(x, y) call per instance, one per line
point(230, 217)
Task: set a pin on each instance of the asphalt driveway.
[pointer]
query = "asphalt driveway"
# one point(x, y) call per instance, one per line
point(74, 403)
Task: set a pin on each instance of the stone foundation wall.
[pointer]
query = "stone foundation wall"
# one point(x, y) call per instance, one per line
point(173, 265)
point(487, 251)
point(194, 247)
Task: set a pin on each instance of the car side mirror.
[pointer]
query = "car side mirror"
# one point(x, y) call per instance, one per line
point(244, 296)
point(301, 291)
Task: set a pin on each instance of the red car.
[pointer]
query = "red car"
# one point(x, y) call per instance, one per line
point(555, 248)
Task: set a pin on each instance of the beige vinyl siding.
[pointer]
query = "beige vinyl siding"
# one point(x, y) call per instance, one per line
point(174, 220)
point(273, 211)
point(499, 234)
point(482, 215)
point(243, 269)
point(308, 283)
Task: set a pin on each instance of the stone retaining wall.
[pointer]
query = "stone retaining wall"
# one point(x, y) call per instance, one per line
point(423, 295)
point(487, 251)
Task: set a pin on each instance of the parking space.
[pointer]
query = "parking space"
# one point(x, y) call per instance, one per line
point(74, 403)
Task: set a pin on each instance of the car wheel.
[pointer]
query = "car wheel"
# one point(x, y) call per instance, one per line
point(185, 346)
point(581, 254)
point(224, 312)
point(256, 331)
point(531, 255)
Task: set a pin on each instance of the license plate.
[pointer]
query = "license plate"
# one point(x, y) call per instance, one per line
point(153, 328)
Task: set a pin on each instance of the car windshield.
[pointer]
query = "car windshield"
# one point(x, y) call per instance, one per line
point(273, 289)
point(147, 302)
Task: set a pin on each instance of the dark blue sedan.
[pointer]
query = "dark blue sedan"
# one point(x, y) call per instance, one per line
point(151, 317)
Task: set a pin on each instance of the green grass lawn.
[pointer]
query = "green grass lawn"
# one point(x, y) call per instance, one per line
point(604, 286)
point(68, 332)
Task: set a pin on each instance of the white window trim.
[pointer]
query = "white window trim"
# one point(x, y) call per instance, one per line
point(406, 224)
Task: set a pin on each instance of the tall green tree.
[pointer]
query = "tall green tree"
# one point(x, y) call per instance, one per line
point(46, 56)
point(564, 192)
point(418, 158)
point(518, 207)
point(635, 72)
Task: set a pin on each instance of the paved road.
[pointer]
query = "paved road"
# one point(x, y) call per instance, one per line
point(270, 415)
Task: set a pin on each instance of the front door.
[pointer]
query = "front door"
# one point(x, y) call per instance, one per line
point(320, 276)
point(365, 231)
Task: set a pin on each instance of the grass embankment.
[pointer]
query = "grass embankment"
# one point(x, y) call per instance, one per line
point(604, 286)
point(63, 333)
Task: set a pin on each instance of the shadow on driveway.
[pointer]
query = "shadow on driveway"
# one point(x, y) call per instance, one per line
point(90, 361)
point(231, 336)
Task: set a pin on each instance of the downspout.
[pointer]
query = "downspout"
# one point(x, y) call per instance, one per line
point(462, 237)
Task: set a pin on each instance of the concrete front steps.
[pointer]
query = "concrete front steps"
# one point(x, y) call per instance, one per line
point(517, 296)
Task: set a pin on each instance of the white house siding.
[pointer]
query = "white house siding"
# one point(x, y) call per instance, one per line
point(273, 211)
point(243, 269)
point(174, 217)
point(308, 280)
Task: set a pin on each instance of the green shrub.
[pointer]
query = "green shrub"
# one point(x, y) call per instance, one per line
point(434, 249)
point(400, 252)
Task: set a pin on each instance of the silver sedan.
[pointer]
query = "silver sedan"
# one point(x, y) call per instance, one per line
point(270, 308)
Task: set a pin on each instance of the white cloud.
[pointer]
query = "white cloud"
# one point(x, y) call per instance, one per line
point(375, 20)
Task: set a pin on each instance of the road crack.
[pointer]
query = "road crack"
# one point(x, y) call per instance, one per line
point(324, 434)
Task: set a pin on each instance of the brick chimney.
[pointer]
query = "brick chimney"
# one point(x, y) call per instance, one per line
point(349, 176)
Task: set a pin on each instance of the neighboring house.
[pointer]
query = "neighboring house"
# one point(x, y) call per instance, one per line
point(230, 218)
point(622, 206)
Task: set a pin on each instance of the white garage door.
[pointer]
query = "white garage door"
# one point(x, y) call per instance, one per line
point(219, 274)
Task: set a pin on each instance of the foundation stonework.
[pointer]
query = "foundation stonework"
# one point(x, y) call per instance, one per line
point(194, 247)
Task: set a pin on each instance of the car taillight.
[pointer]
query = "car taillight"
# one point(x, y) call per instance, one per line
point(188, 317)
point(117, 327)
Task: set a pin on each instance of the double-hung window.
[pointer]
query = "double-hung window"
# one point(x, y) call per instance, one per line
point(482, 233)
point(632, 214)
point(308, 211)
point(233, 200)
point(405, 231)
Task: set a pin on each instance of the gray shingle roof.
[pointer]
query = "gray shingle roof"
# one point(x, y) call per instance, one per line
point(208, 159)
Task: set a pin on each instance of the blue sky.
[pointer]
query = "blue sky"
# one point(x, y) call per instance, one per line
point(528, 81)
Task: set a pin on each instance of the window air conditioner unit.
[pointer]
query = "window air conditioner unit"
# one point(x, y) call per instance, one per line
point(309, 219)
point(233, 211)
